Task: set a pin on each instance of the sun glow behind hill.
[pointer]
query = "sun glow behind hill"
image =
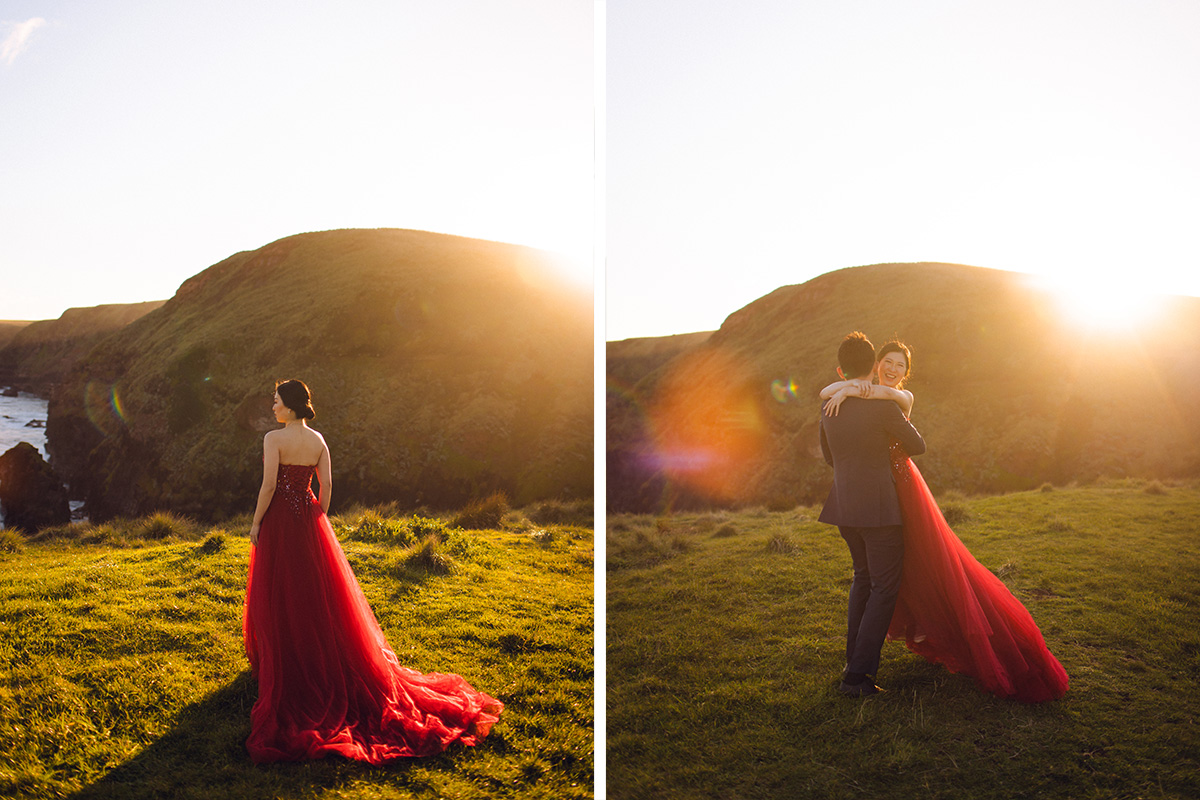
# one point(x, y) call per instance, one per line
point(1096, 304)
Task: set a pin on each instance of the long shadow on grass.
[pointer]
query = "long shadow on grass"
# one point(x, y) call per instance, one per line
point(204, 755)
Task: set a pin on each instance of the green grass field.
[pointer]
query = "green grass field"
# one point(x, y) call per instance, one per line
point(726, 637)
point(122, 672)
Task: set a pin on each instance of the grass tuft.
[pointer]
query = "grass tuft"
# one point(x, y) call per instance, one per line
point(1058, 524)
point(515, 643)
point(428, 557)
point(11, 541)
point(214, 543)
point(956, 513)
point(1005, 570)
point(1155, 488)
point(485, 514)
point(558, 512)
point(725, 531)
point(371, 526)
point(781, 544)
point(1046, 487)
point(165, 525)
point(644, 545)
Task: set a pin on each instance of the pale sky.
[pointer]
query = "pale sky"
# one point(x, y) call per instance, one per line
point(142, 142)
point(760, 144)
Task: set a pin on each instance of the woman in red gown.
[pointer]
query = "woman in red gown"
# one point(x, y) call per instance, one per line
point(327, 680)
point(951, 609)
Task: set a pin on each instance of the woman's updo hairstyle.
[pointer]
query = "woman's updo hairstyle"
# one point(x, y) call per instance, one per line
point(894, 346)
point(295, 395)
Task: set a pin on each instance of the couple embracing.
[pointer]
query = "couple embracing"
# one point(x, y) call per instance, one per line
point(913, 578)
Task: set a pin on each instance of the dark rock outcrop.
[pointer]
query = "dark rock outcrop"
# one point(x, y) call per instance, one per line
point(32, 497)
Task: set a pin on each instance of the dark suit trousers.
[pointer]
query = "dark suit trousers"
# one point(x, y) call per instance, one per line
point(878, 555)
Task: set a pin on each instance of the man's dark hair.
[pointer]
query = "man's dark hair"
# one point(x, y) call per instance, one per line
point(856, 356)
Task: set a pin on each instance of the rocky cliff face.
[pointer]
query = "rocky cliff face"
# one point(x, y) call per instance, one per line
point(441, 368)
point(1009, 392)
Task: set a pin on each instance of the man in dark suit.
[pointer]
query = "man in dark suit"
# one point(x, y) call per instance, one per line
point(864, 506)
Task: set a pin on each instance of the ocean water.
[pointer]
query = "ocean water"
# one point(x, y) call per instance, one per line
point(15, 414)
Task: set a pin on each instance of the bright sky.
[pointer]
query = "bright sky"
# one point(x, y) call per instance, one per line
point(755, 145)
point(142, 142)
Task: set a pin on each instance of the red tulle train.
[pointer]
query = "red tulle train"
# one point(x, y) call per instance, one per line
point(327, 680)
point(953, 611)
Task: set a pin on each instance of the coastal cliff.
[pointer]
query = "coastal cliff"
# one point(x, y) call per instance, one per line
point(37, 355)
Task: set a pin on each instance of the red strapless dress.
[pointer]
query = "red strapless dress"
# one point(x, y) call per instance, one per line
point(327, 680)
point(953, 611)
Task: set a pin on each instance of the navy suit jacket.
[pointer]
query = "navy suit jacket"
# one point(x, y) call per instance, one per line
point(855, 443)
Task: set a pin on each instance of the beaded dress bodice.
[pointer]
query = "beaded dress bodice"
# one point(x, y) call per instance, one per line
point(293, 486)
point(900, 462)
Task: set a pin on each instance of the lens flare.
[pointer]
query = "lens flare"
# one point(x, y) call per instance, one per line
point(104, 408)
point(118, 406)
point(707, 425)
point(783, 391)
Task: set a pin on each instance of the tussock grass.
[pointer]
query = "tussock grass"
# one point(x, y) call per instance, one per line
point(371, 526)
point(11, 541)
point(723, 661)
point(483, 514)
point(428, 556)
point(558, 512)
point(644, 543)
point(165, 525)
point(214, 543)
point(544, 537)
point(956, 513)
point(122, 672)
point(780, 543)
point(157, 528)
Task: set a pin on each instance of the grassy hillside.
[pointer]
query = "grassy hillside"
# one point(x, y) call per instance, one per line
point(122, 672)
point(1009, 392)
point(39, 354)
point(726, 635)
point(442, 369)
point(630, 360)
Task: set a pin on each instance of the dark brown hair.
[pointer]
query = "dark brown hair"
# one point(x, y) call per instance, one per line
point(856, 355)
point(897, 346)
point(295, 395)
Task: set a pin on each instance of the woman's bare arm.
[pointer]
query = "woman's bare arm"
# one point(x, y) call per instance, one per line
point(325, 477)
point(901, 397)
point(844, 386)
point(267, 490)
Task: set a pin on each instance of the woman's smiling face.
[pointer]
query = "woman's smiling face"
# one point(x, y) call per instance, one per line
point(893, 367)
